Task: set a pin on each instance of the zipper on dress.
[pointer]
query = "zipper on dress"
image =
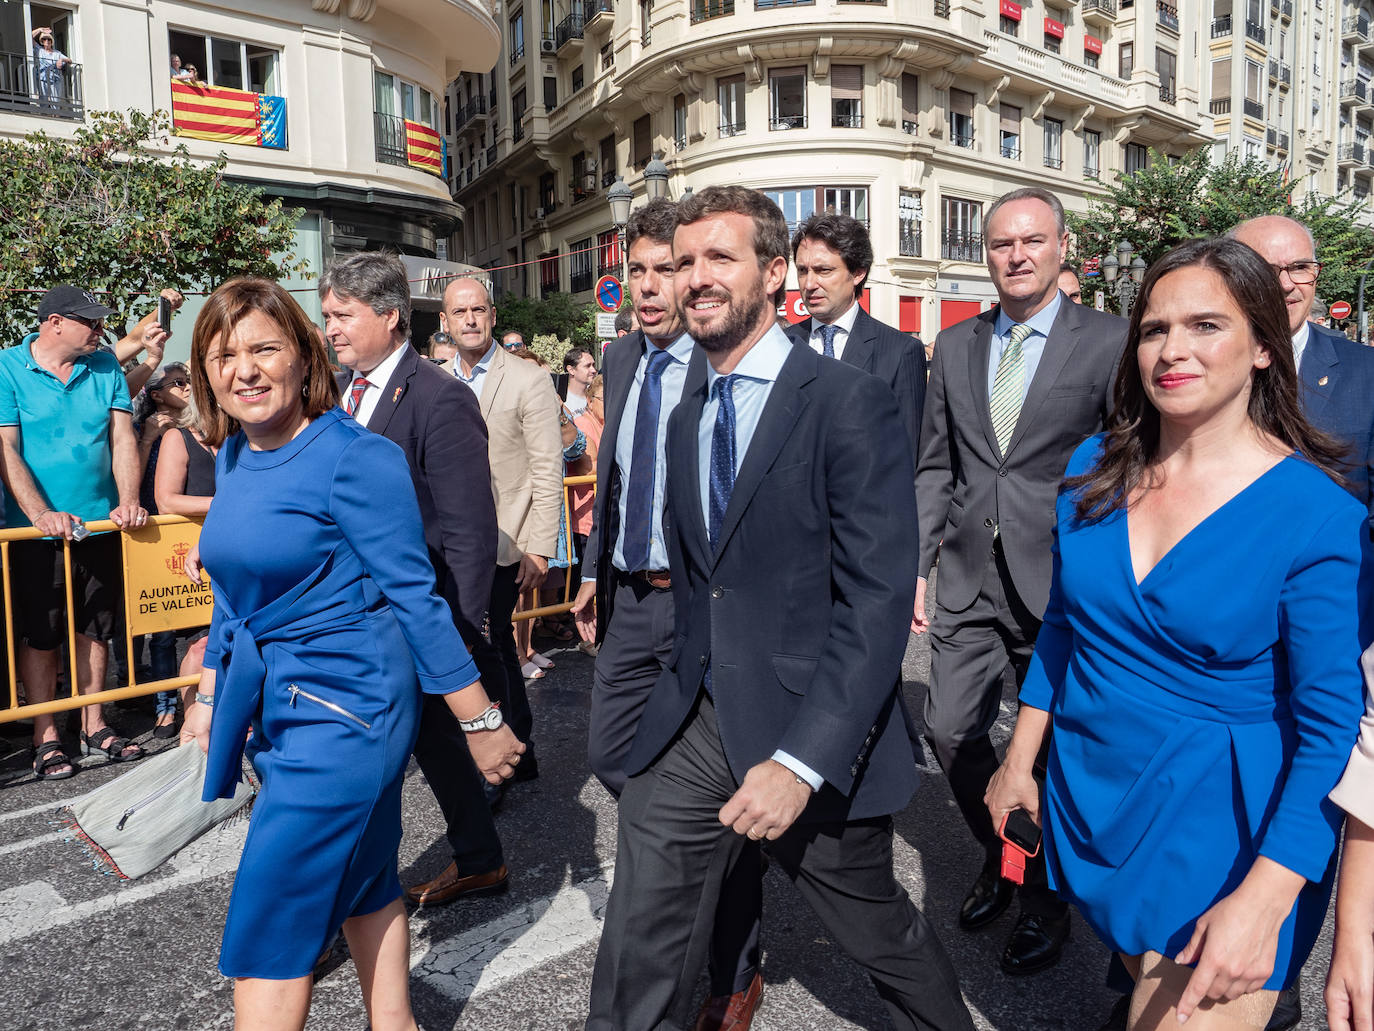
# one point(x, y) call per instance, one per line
point(143, 803)
point(296, 692)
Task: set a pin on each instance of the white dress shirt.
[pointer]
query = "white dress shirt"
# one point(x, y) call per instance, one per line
point(377, 380)
point(1300, 344)
point(479, 371)
point(845, 325)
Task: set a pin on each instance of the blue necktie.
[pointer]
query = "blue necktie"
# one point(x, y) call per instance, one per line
point(639, 492)
point(722, 453)
point(828, 340)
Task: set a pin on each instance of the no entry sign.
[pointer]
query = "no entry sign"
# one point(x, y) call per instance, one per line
point(609, 293)
point(1340, 310)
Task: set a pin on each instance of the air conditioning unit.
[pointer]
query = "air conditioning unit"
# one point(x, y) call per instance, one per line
point(546, 46)
point(540, 213)
point(589, 182)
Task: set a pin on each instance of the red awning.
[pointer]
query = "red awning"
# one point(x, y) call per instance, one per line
point(1011, 10)
point(1054, 28)
point(1092, 44)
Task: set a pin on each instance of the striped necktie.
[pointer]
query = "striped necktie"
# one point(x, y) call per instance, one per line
point(355, 395)
point(1008, 387)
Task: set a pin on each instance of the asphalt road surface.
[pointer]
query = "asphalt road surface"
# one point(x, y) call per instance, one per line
point(79, 949)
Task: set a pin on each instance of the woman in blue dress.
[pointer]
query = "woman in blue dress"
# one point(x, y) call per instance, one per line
point(325, 631)
point(1198, 663)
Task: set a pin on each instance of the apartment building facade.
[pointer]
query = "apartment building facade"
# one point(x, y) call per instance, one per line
point(333, 105)
point(911, 115)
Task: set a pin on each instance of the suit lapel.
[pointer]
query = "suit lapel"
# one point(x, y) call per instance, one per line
point(1318, 373)
point(1059, 345)
point(392, 391)
point(980, 347)
point(785, 405)
point(495, 375)
point(861, 347)
point(621, 364)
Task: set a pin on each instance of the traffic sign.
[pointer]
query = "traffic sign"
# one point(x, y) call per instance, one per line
point(1340, 310)
point(605, 325)
point(609, 293)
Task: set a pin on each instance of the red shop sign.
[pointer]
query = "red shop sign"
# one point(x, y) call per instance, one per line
point(1092, 44)
point(1011, 10)
point(1054, 28)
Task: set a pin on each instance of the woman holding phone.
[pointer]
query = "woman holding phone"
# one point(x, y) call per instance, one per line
point(1198, 659)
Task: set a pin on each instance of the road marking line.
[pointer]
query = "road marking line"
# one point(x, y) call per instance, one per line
point(41, 839)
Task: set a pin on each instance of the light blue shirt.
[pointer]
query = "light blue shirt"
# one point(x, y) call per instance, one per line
point(1031, 348)
point(479, 371)
point(759, 368)
point(671, 381)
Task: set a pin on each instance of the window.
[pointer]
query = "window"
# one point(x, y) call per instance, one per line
point(1220, 103)
point(646, 17)
point(1054, 34)
point(608, 160)
point(642, 143)
point(1254, 89)
point(548, 274)
point(960, 118)
point(583, 185)
point(730, 99)
point(607, 57)
point(517, 36)
point(961, 236)
point(797, 205)
point(909, 105)
point(1008, 25)
point(578, 78)
point(518, 104)
point(608, 253)
point(1010, 132)
point(1166, 65)
point(847, 96)
point(228, 63)
point(1054, 143)
point(787, 98)
point(580, 266)
point(680, 121)
point(1137, 158)
point(1092, 154)
point(1127, 60)
point(546, 20)
point(1091, 58)
point(548, 198)
point(800, 203)
point(847, 200)
point(909, 217)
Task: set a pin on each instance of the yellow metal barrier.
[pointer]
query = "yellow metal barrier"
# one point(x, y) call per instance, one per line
point(162, 599)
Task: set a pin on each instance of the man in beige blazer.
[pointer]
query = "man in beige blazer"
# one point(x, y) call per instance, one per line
point(525, 447)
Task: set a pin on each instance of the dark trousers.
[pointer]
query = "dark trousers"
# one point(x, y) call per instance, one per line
point(441, 749)
point(637, 644)
point(515, 704)
point(672, 858)
point(970, 652)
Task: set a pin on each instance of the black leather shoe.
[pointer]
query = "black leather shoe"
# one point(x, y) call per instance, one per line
point(1035, 943)
point(1121, 1012)
point(1288, 1011)
point(986, 900)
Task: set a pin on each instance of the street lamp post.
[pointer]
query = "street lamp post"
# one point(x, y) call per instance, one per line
point(620, 196)
point(656, 178)
point(1123, 275)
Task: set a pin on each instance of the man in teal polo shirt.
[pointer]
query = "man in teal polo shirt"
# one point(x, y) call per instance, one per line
point(70, 456)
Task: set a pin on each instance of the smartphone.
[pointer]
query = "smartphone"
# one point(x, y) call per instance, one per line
point(1021, 832)
point(164, 313)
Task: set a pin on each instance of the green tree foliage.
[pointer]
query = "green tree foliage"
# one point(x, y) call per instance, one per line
point(558, 315)
point(104, 211)
point(1164, 204)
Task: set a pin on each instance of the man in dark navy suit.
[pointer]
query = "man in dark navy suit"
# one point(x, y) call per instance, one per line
point(1337, 375)
point(391, 390)
point(778, 718)
point(833, 254)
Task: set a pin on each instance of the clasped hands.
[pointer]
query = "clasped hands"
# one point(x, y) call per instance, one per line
point(767, 803)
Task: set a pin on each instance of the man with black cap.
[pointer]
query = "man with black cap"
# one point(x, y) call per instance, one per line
point(61, 387)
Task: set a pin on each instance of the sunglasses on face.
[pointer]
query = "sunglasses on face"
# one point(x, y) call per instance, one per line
point(174, 383)
point(95, 325)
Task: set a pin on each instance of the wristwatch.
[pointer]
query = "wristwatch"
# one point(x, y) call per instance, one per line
point(488, 719)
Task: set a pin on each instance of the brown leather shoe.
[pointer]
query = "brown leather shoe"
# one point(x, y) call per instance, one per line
point(731, 1012)
point(449, 886)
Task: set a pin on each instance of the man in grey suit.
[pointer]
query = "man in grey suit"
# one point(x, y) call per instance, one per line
point(1012, 392)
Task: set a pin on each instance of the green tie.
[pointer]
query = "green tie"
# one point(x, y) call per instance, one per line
point(1008, 386)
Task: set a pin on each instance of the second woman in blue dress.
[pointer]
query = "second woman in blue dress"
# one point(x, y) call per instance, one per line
point(1199, 658)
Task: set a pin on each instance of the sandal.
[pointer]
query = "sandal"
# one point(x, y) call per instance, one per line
point(111, 745)
point(532, 672)
point(48, 755)
point(557, 631)
point(542, 661)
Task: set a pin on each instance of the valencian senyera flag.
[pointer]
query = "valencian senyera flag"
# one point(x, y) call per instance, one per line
point(228, 115)
point(422, 148)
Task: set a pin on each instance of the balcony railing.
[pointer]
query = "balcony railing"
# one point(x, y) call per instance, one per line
point(909, 242)
point(25, 87)
point(942, 8)
point(960, 139)
point(679, 143)
point(1167, 94)
point(1351, 153)
point(1107, 8)
point(474, 108)
point(1054, 162)
point(788, 122)
point(1220, 106)
point(517, 131)
point(491, 155)
point(731, 129)
point(1355, 88)
point(608, 177)
point(1167, 15)
point(1221, 26)
point(569, 28)
point(1011, 152)
point(1254, 109)
point(705, 10)
point(390, 134)
point(909, 128)
point(517, 53)
point(646, 35)
point(1254, 30)
point(1092, 172)
point(850, 120)
point(1356, 28)
point(763, 5)
point(581, 280)
point(962, 247)
point(1286, 8)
